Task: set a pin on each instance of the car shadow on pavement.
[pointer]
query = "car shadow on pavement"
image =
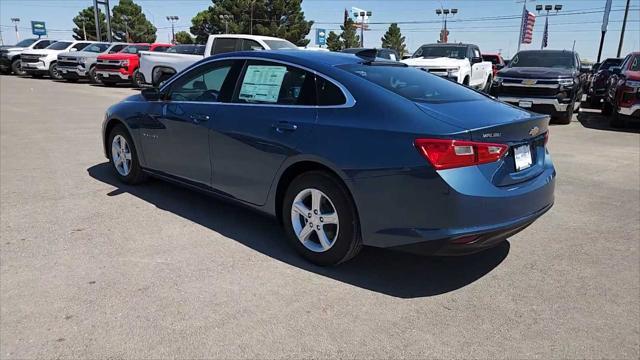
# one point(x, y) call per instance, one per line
point(384, 271)
point(593, 119)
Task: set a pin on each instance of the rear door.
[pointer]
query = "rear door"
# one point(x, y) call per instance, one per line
point(272, 111)
point(176, 134)
point(477, 71)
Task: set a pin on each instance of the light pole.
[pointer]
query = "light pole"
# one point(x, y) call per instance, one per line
point(547, 8)
point(444, 33)
point(226, 19)
point(15, 22)
point(173, 19)
point(362, 15)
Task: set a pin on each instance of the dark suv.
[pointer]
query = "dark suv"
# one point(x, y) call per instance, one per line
point(544, 81)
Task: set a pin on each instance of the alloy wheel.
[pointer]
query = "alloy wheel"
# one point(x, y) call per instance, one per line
point(121, 155)
point(315, 220)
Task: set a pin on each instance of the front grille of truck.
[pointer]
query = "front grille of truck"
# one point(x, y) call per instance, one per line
point(67, 63)
point(108, 65)
point(29, 58)
point(527, 91)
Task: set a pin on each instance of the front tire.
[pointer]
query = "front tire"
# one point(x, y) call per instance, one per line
point(136, 79)
point(93, 78)
point(124, 157)
point(16, 67)
point(565, 119)
point(320, 219)
point(53, 71)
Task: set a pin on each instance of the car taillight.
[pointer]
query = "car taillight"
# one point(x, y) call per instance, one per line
point(447, 154)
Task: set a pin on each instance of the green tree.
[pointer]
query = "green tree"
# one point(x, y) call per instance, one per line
point(87, 19)
point(279, 18)
point(393, 39)
point(333, 42)
point(349, 37)
point(130, 25)
point(183, 37)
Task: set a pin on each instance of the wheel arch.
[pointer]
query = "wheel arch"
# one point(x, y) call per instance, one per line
point(300, 166)
point(108, 127)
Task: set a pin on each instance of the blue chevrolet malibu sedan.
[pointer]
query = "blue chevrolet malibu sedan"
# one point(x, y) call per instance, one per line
point(345, 150)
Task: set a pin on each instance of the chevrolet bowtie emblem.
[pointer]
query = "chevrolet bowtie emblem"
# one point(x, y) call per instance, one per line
point(534, 131)
point(529, 82)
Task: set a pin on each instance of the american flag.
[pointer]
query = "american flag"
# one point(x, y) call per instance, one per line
point(528, 20)
point(545, 35)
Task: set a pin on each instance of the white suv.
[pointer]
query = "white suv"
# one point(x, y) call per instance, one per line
point(38, 63)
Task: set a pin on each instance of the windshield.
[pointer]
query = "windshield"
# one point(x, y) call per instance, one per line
point(280, 44)
point(134, 49)
point(25, 42)
point(609, 63)
point(548, 59)
point(413, 84)
point(97, 48)
point(455, 52)
point(60, 45)
point(635, 65)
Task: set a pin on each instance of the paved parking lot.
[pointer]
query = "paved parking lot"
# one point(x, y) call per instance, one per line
point(90, 268)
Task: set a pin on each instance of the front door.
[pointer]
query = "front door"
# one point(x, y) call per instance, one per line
point(177, 142)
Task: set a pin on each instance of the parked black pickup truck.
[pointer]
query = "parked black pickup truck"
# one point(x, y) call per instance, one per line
point(544, 81)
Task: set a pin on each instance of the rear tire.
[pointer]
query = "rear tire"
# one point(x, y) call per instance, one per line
point(124, 157)
point(305, 224)
point(565, 119)
point(16, 67)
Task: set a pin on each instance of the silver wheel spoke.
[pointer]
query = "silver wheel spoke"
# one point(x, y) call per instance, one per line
point(127, 156)
point(115, 150)
point(305, 233)
point(301, 209)
point(125, 166)
point(122, 144)
point(315, 200)
point(330, 218)
point(324, 240)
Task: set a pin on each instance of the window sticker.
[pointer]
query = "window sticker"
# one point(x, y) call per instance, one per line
point(262, 83)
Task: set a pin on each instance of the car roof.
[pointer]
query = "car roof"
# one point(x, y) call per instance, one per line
point(247, 36)
point(299, 56)
point(447, 44)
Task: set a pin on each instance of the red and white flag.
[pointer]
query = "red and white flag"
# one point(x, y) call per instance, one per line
point(528, 21)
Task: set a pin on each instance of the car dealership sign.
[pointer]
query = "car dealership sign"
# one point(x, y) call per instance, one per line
point(38, 28)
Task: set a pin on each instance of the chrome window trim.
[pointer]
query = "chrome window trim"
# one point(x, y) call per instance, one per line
point(350, 101)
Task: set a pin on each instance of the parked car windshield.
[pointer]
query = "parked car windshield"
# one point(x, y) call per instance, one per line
point(455, 52)
point(549, 59)
point(280, 44)
point(413, 84)
point(134, 49)
point(635, 65)
point(26, 42)
point(609, 63)
point(60, 45)
point(97, 48)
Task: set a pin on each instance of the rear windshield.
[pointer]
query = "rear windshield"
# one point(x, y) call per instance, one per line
point(97, 48)
point(187, 49)
point(413, 84)
point(279, 44)
point(60, 45)
point(551, 59)
point(454, 52)
point(134, 49)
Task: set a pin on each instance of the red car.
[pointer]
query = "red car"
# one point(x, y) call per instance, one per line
point(496, 60)
point(123, 66)
point(622, 100)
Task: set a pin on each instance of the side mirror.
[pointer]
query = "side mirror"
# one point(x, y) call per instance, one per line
point(616, 70)
point(151, 94)
point(475, 60)
point(73, 50)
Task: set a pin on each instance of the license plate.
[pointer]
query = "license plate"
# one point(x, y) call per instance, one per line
point(522, 156)
point(525, 104)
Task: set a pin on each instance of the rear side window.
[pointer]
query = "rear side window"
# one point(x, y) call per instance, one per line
point(328, 93)
point(413, 84)
point(161, 49)
point(224, 45)
point(80, 46)
point(274, 83)
point(248, 44)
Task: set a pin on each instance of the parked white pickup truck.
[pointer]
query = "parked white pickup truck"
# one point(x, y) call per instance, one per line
point(458, 62)
point(157, 67)
point(38, 63)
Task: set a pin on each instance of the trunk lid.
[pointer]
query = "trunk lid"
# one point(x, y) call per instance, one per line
point(495, 122)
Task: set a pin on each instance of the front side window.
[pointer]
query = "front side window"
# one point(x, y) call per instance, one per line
point(202, 84)
point(161, 48)
point(273, 83)
point(96, 48)
point(134, 49)
point(60, 45)
point(117, 48)
point(224, 45)
point(413, 84)
point(551, 59)
point(80, 46)
point(43, 44)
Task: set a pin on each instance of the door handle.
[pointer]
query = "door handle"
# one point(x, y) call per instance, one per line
point(199, 118)
point(285, 126)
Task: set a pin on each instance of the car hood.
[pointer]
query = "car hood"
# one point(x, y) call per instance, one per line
point(42, 52)
point(77, 54)
point(436, 62)
point(11, 48)
point(117, 56)
point(535, 72)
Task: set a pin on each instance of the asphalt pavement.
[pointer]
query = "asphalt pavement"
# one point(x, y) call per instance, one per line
point(91, 268)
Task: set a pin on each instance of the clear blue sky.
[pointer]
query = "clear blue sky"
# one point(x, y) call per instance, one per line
point(476, 21)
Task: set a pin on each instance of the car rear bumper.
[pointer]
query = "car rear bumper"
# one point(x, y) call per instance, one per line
point(449, 211)
point(632, 111)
